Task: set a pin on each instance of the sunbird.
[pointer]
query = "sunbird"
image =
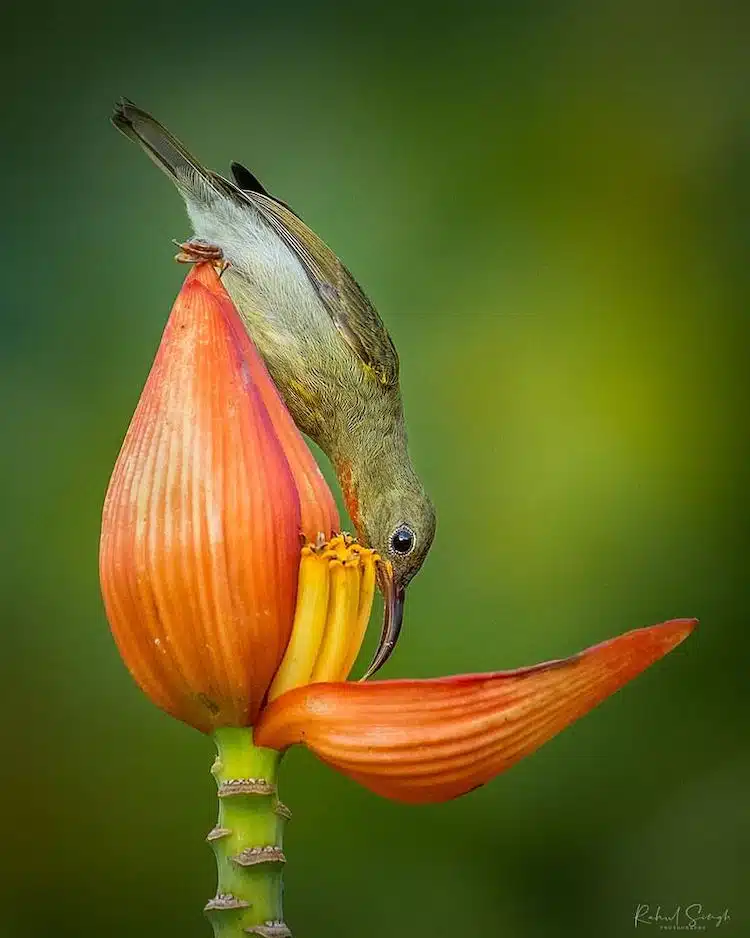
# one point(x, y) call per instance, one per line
point(325, 347)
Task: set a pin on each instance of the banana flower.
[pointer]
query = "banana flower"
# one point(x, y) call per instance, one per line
point(239, 608)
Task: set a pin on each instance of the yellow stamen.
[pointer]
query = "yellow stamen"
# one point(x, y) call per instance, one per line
point(334, 600)
point(366, 595)
point(309, 624)
point(342, 614)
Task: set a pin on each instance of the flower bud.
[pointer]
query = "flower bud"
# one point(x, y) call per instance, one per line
point(200, 543)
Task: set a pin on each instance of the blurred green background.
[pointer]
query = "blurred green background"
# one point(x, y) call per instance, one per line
point(550, 204)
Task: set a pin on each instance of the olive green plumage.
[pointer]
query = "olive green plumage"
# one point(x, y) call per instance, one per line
point(324, 343)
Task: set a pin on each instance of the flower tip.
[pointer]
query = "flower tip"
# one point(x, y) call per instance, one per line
point(675, 631)
point(681, 628)
point(206, 274)
point(639, 648)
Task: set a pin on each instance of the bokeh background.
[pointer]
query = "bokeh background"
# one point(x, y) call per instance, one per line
point(550, 205)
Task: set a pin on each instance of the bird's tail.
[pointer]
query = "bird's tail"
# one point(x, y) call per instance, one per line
point(164, 149)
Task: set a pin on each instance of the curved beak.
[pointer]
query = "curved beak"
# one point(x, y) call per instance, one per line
point(393, 615)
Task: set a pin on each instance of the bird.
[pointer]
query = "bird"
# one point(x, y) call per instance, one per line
point(324, 344)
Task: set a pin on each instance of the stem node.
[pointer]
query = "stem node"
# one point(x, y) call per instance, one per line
point(222, 903)
point(254, 856)
point(270, 929)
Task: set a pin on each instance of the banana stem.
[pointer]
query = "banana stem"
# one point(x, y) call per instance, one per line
point(247, 839)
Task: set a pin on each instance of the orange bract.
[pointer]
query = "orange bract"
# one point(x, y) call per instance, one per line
point(431, 740)
point(201, 529)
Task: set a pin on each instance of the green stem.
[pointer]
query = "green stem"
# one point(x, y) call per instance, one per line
point(247, 839)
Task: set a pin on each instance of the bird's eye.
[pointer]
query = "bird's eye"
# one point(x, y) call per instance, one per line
point(402, 540)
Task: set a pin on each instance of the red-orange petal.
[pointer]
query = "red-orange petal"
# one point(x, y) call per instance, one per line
point(430, 740)
point(200, 533)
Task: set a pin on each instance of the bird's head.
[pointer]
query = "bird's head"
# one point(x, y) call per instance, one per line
point(399, 524)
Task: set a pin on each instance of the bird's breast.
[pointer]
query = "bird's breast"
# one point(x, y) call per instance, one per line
point(264, 273)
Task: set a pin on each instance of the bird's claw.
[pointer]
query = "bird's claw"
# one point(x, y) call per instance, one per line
point(196, 251)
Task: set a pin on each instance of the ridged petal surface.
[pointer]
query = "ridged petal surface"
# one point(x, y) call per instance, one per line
point(200, 534)
point(432, 740)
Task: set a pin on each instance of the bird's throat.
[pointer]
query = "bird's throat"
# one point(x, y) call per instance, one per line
point(350, 491)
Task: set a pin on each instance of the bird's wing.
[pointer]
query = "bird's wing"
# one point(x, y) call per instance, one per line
point(352, 313)
point(249, 182)
point(246, 180)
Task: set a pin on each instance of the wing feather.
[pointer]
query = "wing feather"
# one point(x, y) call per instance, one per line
point(352, 313)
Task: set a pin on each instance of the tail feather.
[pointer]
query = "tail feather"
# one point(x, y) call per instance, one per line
point(161, 146)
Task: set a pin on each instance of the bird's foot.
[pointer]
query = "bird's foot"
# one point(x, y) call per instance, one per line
point(197, 251)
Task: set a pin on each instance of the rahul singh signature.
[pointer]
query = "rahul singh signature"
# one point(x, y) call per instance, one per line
point(691, 917)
